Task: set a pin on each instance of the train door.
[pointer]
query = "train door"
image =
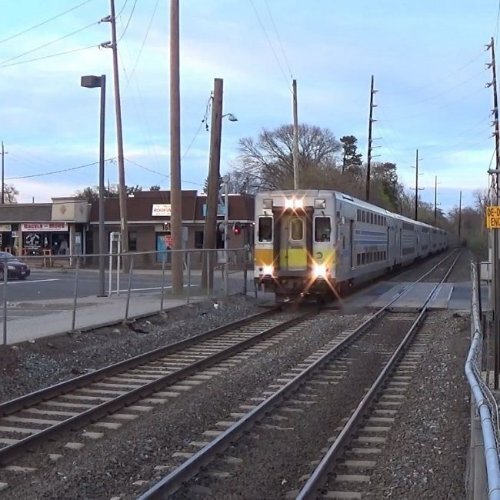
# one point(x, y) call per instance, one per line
point(293, 251)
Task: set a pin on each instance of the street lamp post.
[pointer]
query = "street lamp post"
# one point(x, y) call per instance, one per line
point(91, 81)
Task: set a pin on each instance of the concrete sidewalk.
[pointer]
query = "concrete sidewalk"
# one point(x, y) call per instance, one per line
point(91, 312)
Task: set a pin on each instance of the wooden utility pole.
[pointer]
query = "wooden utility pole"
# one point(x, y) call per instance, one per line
point(210, 229)
point(175, 152)
point(369, 155)
point(3, 174)
point(416, 186)
point(295, 154)
point(495, 232)
point(122, 191)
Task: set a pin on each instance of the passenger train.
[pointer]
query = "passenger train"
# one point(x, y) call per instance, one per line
point(319, 242)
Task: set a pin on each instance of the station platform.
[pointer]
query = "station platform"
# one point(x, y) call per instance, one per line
point(453, 296)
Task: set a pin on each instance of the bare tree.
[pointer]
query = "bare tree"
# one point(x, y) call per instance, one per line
point(268, 161)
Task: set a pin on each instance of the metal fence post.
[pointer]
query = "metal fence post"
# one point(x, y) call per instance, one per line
point(245, 276)
point(208, 274)
point(75, 295)
point(163, 259)
point(130, 272)
point(188, 297)
point(4, 296)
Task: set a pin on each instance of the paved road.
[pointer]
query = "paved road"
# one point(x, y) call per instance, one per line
point(57, 284)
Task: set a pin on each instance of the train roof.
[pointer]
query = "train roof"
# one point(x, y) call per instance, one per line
point(342, 196)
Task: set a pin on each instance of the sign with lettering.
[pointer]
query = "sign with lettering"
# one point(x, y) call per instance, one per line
point(44, 226)
point(5, 227)
point(161, 210)
point(493, 217)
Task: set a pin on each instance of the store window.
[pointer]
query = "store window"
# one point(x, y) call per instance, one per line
point(198, 239)
point(132, 241)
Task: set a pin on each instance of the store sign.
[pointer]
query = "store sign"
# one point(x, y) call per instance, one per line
point(44, 226)
point(5, 228)
point(161, 210)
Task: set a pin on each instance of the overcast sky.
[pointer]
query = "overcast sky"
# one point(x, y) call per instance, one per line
point(428, 59)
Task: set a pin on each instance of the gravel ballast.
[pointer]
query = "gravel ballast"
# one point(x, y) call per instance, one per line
point(426, 458)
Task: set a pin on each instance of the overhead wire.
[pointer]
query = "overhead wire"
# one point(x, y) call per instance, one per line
point(148, 29)
point(162, 174)
point(131, 79)
point(2, 63)
point(58, 171)
point(270, 45)
point(203, 121)
point(41, 58)
point(279, 39)
point(11, 37)
point(129, 19)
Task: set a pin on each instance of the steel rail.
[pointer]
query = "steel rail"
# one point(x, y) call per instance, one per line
point(33, 398)
point(320, 474)
point(8, 453)
point(173, 481)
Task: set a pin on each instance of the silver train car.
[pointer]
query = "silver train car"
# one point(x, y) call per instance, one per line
point(322, 242)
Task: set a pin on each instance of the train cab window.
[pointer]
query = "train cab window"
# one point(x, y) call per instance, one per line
point(296, 229)
point(322, 229)
point(265, 229)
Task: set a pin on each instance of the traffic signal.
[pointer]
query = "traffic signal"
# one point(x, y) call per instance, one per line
point(237, 228)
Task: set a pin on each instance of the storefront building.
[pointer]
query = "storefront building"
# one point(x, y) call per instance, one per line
point(148, 215)
point(70, 226)
point(56, 228)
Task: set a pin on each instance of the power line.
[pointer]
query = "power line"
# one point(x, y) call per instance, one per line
point(161, 174)
point(56, 171)
point(203, 121)
point(2, 63)
point(270, 44)
point(279, 39)
point(49, 56)
point(144, 39)
point(129, 19)
point(43, 22)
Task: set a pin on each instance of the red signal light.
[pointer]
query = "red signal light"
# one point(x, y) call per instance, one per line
point(237, 229)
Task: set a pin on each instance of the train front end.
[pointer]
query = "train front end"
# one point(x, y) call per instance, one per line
point(295, 243)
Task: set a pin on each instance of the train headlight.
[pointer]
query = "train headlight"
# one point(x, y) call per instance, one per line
point(268, 270)
point(320, 271)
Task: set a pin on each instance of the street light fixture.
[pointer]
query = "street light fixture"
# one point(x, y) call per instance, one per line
point(230, 117)
point(91, 81)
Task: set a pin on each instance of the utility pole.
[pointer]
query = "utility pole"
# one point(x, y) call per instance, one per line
point(122, 192)
point(296, 174)
point(496, 253)
point(175, 152)
point(210, 229)
point(369, 155)
point(3, 174)
point(416, 186)
point(435, 198)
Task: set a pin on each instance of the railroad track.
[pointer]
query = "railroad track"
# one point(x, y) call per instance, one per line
point(296, 393)
point(109, 396)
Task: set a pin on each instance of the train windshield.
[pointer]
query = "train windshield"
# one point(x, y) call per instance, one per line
point(322, 229)
point(265, 229)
